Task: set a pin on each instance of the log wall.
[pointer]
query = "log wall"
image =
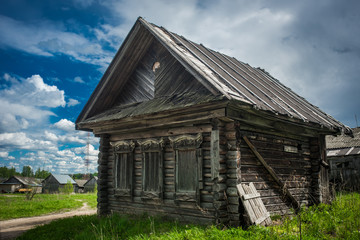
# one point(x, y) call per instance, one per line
point(226, 161)
point(292, 161)
point(205, 210)
point(103, 160)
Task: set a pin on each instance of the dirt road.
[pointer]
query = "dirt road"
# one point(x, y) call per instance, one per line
point(11, 229)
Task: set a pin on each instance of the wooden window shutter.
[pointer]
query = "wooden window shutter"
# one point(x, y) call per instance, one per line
point(152, 172)
point(123, 168)
point(215, 154)
point(188, 167)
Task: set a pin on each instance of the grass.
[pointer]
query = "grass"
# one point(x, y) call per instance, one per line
point(340, 220)
point(16, 205)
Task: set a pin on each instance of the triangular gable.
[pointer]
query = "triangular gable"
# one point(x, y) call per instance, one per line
point(156, 75)
point(123, 67)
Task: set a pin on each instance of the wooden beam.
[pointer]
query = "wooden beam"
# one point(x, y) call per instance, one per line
point(295, 203)
point(140, 123)
point(274, 123)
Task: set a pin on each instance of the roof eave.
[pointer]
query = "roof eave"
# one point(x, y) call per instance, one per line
point(318, 127)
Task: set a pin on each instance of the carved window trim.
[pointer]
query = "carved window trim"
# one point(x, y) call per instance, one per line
point(120, 149)
point(149, 147)
point(181, 144)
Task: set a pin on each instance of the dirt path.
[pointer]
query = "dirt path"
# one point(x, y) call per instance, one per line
point(13, 228)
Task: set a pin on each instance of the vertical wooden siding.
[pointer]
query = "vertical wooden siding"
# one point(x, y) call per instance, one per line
point(168, 79)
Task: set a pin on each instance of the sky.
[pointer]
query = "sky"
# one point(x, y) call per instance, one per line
point(53, 54)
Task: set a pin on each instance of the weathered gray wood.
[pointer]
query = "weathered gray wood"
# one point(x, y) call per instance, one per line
point(214, 153)
point(273, 174)
point(260, 120)
point(199, 157)
point(254, 207)
point(140, 123)
point(251, 196)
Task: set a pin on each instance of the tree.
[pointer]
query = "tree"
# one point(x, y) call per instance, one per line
point(42, 173)
point(8, 172)
point(68, 188)
point(27, 172)
point(78, 176)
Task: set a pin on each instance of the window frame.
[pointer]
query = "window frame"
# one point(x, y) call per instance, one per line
point(149, 146)
point(181, 144)
point(121, 148)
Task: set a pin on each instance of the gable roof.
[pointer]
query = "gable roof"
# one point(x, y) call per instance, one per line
point(29, 181)
point(224, 77)
point(80, 182)
point(63, 179)
point(88, 181)
point(344, 141)
point(343, 145)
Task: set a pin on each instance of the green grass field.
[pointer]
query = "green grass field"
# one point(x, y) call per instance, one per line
point(340, 220)
point(16, 205)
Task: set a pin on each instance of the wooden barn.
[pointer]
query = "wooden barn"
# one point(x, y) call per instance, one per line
point(343, 153)
point(192, 134)
point(91, 184)
point(55, 182)
point(21, 184)
point(80, 185)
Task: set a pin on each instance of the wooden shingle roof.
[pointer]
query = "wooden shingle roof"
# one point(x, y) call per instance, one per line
point(225, 77)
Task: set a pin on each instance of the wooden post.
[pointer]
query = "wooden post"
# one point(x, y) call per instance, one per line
point(214, 154)
point(295, 203)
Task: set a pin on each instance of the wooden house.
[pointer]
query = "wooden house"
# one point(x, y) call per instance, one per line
point(80, 185)
point(181, 127)
point(55, 182)
point(91, 184)
point(343, 153)
point(21, 184)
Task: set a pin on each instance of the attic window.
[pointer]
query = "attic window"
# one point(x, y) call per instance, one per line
point(156, 66)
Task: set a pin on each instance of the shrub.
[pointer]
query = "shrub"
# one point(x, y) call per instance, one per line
point(68, 188)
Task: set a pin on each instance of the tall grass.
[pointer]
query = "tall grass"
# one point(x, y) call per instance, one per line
point(340, 220)
point(17, 206)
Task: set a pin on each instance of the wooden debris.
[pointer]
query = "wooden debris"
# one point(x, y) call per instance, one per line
point(253, 205)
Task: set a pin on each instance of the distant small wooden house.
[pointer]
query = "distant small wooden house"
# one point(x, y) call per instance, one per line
point(55, 182)
point(80, 185)
point(343, 153)
point(22, 184)
point(91, 184)
point(184, 128)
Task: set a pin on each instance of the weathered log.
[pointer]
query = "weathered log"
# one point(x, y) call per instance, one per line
point(231, 192)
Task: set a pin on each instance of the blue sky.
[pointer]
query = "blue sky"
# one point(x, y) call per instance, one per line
point(53, 54)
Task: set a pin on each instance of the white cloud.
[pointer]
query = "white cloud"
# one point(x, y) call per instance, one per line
point(20, 140)
point(65, 125)
point(72, 138)
point(83, 150)
point(25, 102)
point(78, 80)
point(4, 154)
point(72, 102)
point(51, 136)
point(46, 38)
